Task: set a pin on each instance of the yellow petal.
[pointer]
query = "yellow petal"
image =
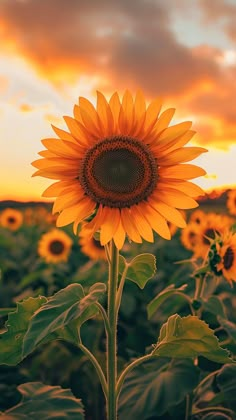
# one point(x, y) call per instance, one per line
point(152, 113)
point(105, 115)
point(129, 226)
point(63, 148)
point(170, 213)
point(62, 134)
point(91, 126)
point(184, 154)
point(115, 108)
point(155, 220)
point(164, 120)
point(126, 116)
point(110, 225)
point(68, 199)
point(175, 198)
point(86, 208)
point(186, 187)
point(119, 237)
point(175, 131)
point(56, 188)
point(78, 131)
point(142, 224)
point(139, 113)
point(181, 171)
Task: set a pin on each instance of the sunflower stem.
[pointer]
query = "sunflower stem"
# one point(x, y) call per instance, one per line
point(112, 333)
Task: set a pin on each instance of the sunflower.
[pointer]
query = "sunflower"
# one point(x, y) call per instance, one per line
point(121, 168)
point(54, 246)
point(11, 219)
point(212, 226)
point(189, 236)
point(91, 246)
point(231, 202)
point(197, 216)
point(222, 256)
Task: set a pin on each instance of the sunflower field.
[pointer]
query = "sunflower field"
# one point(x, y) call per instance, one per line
point(177, 314)
point(118, 302)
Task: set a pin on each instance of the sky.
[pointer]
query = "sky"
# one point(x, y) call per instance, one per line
point(53, 51)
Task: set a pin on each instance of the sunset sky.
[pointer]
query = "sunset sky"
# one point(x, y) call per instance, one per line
point(53, 51)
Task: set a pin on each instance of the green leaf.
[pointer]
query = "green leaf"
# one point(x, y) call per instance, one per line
point(189, 337)
point(141, 269)
point(153, 387)
point(11, 341)
point(161, 297)
point(229, 327)
point(65, 307)
point(215, 306)
point(226, 380)
point(45, 402)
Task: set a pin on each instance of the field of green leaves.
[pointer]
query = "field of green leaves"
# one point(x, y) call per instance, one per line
point(185, 293)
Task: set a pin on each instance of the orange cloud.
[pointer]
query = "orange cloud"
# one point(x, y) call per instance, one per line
point(25, 108)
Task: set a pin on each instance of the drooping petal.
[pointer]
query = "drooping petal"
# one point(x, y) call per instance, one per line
point(129, 226)
point(141, 224)
point(170, 213)
point(110, 225)
point(156, 221)
point(119, 237)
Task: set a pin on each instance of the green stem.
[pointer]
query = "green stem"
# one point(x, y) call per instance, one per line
point(111, 335)
point(120, 288)
point(128, 369)
point(98, 368)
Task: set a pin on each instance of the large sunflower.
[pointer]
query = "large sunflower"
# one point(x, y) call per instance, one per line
point(11, 219)
point(231, 202)
point(54, 246)
point(121, 167)
point(223, 256)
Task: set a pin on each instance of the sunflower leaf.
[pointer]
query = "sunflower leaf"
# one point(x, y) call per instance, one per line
point(67, 308)
point(141, 269)
point(162, 296)
point(229, 327)
point(155, 387)
point(189, 337)
point(215, 306)
point(47, 401)
point(11, 341)
point(227, 384)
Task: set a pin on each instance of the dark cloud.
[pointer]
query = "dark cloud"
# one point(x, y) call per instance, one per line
point(129, 43)
point(222, 12)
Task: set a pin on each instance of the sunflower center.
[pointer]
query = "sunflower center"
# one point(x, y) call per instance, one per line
point(228, 258)
point(11, 220)
point(118, 172)
point(56, 247)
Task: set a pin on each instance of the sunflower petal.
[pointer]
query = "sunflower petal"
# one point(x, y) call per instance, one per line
point(170, 213)
point(56, 188)
point(129, 226)
point(110, 225)
point(155, 220)
point(183, 154)
point(142, 224)
point(181, 171)
point(119, 237)
point(175, 198)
